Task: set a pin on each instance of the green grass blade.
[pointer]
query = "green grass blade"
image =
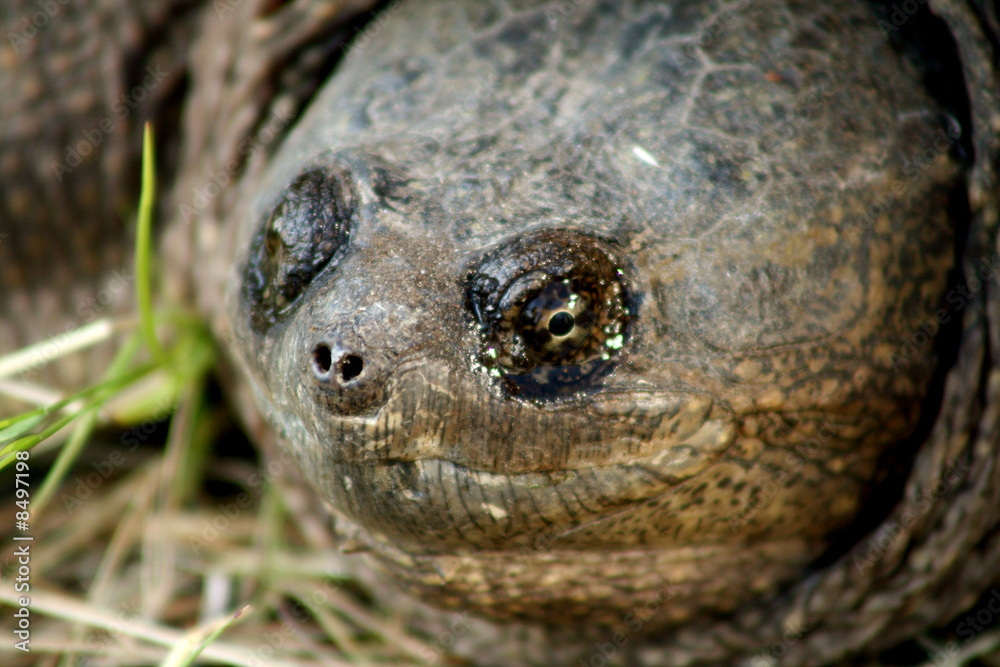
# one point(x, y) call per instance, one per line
point(81, 434)
point(29, 441)
point(67, 455)
point(144, 252)
point(21, 425)
point(76, 396)
point(100, 392)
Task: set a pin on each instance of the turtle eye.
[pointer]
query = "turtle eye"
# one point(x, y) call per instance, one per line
point(304, 234)
point(552, 308)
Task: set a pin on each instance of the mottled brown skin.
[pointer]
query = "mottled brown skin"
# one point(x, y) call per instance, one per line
point(761, 372)
point(703, 465)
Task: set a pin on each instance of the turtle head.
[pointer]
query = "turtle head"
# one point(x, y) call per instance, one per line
point(550, 349)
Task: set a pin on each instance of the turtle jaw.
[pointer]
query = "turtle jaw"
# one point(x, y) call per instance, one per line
point(433, 505)
point(432, 410)
point(558, 549)
point(445, 463)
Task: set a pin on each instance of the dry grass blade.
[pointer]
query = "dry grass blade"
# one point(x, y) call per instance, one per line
point(75, 611)
point(196, 641)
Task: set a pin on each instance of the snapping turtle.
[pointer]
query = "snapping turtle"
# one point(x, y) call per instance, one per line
point(576, 310)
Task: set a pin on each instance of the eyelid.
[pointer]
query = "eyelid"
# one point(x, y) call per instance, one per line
point(307, 230)
point(551, 265)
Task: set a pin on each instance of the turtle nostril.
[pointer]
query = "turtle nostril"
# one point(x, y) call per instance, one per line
point(348, 364)
point(346, 378)
point(351, 366)
point(322, 360)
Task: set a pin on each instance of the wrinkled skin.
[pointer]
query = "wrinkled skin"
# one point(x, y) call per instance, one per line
point(381, 273)
point(719, 200)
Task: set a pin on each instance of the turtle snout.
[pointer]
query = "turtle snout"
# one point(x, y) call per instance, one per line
point(348, 378)
point(373, 322)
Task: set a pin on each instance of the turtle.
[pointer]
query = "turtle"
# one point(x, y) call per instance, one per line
point(669, 325)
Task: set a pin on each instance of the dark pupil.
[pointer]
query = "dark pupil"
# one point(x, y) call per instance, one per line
point(557, 324)
point(561, 323)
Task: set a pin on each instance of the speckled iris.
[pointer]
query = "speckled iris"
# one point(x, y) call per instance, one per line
point(553, 310)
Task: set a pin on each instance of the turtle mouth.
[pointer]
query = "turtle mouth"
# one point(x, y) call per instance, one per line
point(438, 506)
point(440, 467)
point(445, 464)
point(430, 413)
